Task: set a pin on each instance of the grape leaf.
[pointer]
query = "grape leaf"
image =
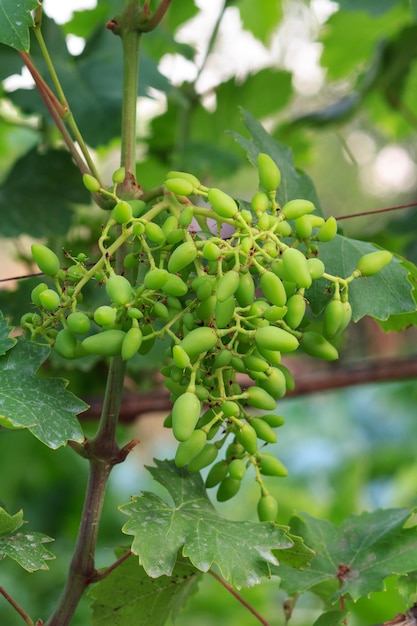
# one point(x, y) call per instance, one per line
point(15, 20)
point(27, 549)
point(38, 193)
point(354, 558)
point(370, 6)
point(399, 321)
point(6, 342)
point(294, 184)
point(260, 22)
point(129, 596)
point(241, 550)
point(41, 405)
point(10, 523)
point(330, 618)
point(379, 296)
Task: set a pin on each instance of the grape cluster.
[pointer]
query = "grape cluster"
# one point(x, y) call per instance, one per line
point(226, 285)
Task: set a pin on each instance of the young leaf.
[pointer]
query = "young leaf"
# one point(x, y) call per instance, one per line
point(241, 550)
point(15, 20)
point(6, 342)
point(330, 618)
point(10, 523)
point(41, 405)
point(354, 558)
point(379, 296)
point(130, 597)
point(294, 183)
point(27, 549)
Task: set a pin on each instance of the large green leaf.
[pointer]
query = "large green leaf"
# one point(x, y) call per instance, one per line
point(25, 548)
point(399, 321)
point(15, 20)
point(379, 296)
point(260, 19)
point(241, 550)
point(294, 184)
point(129, 597)
point(41, 405)
point(6, 342)
point(354, 558)
point(38, 194)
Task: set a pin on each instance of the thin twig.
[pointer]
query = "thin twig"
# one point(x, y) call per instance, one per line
point(157, 16)
point(385, 210)
point(101, 575)
point(239, 598)
point(22, 612)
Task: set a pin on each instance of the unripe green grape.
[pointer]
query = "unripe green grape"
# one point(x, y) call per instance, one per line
point(222, 203)
point(174, 286)
point(296, 308)
point(122, 212)
point(269, 465)
point(316, 345)
point(316, 267)
point(104, 315)
point(185, 176)
point(118, 175)
point(170, 225)
point(119, 289)
point(189, 449)
point(284, 228)
point(185, 414)
point(263, 221)
point(180, 357)
point(65, 344)
point(138, 229)
point(263, 430)
point(138, 207)
point(289, 378)
point(275, 313)
point(246, 436)
point(186, 216)
point(260, 399)
point(206, 309)
point(227, 285)
point(295, 265)
point(256, 363)
point(269, 173)
point(273, 289)
point(78, 323)
point(246, 216)
point(204, 290)
point(131, 261)
point(202, 393)
point(296, 208)
point(235, 450)
point(222, 359)
point(217, 473)
point(155, 279)
point(182, 256)
point(274, 420)
point(273, 338)
point(334, 318)
point(131, 343)
point(274, 383)
point(49, 299)
point(154, 233)
point(227, 489)
point(272, 356)
point(267, 508)
point(238, 364)
point(204, 458)
point(245, 292)
point(134, 314)
point(224, 312)
point(174, 304)
point(91, 183)
point(211, 251)
point(179, 186)
point(35, 293)
point(260, 202)
point(45, 259)
point(373, 262)
point(303, 227)
point(258, 307)
point(160, 310)
point(237, 469)
point(271, 249)
point(230, 408)
point(75, 273)
point(328, 231)
point(107, 343)
point(188, 321)
point(199, 340)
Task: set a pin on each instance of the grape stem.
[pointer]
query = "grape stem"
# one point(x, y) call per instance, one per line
point(239, 598)
point(26, 618)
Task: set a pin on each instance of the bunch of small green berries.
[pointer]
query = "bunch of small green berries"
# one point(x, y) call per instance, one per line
point(227, 286)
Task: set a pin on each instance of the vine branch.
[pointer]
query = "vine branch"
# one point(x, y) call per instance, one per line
point(239, 598)
point(26, 618)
